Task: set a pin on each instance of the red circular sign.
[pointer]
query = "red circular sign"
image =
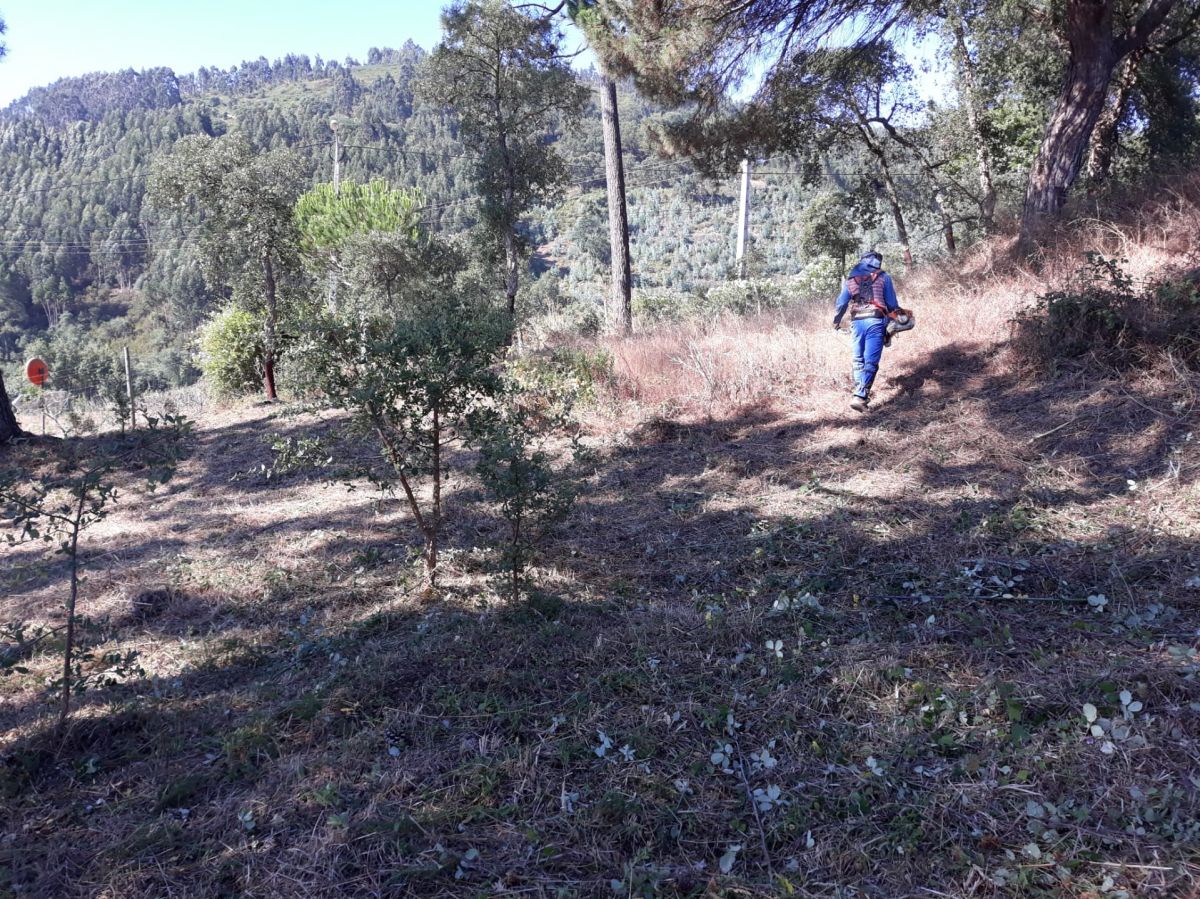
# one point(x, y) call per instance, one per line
point(37, 372)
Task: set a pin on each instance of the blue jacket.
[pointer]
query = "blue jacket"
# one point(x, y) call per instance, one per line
point(843, 300)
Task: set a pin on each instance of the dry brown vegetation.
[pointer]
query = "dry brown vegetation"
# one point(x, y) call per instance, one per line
point(885, 618)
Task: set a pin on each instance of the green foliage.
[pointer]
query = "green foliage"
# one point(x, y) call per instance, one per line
point(417, 371)
point(57, 505)
point(661, 305)
point(517, 462)
point(829, 230)
point(231, 351)
point(326, 220)
point(81, 363)
point(1105, 316)
point(248, 236)
point(503, 74)
point(747, 297)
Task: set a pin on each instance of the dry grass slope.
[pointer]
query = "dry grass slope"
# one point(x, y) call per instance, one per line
point(778, 650)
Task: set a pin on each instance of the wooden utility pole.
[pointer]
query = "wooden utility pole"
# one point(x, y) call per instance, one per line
point(129, 392)
point(743, 237)
point(620, 313)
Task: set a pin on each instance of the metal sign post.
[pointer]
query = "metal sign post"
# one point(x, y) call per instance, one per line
point(38, 373)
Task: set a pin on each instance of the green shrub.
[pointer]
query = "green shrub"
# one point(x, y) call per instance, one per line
point(520, 460)
point(1104, 316)
point(79, 362)
point(231, 351)
point(662, 305)
point(583, 317)
point(575, 370)
point(749, 297)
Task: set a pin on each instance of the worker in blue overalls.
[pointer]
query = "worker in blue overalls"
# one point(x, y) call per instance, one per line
point(869, 295)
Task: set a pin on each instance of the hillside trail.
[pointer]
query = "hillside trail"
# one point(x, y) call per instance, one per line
point(954, 438)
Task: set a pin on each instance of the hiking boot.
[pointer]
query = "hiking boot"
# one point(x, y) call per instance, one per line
point(859, 404)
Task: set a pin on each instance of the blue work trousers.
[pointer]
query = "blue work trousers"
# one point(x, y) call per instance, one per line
point(867, 334)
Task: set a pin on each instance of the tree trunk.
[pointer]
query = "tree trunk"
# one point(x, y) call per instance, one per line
point(930, 173)
point(270, 336)
point(620, 312)
point(516, 559)
point(947, 224)
point(1094, 52)
point(512, 259)
point(9, 428)
point(1104, 140)
point(512, 265)
point(1060, 156)
point(72, 599)
point(983, 157)
point(434, 522)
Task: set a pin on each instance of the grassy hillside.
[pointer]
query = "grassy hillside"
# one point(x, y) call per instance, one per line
point(952, 648)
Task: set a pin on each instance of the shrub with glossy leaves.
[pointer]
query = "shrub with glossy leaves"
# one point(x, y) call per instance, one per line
point(231, 351)
point(1104, 316)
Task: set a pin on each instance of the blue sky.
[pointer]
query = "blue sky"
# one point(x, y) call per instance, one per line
point(50, 39)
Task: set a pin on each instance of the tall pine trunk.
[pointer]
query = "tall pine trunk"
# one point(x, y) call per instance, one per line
point(512, 257)
point(620, 312)
point(9, 428)
point(1060, 156)
point(1094, 53)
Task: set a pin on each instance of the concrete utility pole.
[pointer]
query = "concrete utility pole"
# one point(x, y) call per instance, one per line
point(337, 192)
point(129, 392)
point(337, 159)
point(743, 237)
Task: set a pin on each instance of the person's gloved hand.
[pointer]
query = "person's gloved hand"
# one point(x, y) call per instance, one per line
point(837, 324)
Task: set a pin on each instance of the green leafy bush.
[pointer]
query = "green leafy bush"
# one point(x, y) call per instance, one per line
point(583, 317)
point(522, 469)
point(750, 297)
point(78, 361)
point(82, 363)
point(662, 305)
point(231, 351)
point(1106, 317)
point(577, 370)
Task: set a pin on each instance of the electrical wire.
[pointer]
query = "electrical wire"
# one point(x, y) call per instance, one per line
point(19, 240)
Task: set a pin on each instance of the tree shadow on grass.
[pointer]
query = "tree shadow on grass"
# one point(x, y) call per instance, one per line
point(907, 529)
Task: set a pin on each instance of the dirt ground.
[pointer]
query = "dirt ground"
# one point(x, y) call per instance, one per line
point(951, 648)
